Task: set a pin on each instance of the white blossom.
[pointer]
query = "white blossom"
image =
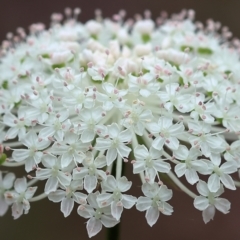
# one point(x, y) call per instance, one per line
point(116, 199)
point(33, 155)
point(19, 197)
point(53, 173)
point(166, 133)
point(98, 216)
point(114, 144)
point(154, 202)
point(189, 165)
point(90, 171)
point(68, 197)
point(149, 162)
point(209, 201)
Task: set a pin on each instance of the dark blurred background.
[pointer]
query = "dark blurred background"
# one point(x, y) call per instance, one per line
point(45, 221)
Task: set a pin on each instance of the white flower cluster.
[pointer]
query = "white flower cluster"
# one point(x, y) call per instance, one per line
point(78, 101)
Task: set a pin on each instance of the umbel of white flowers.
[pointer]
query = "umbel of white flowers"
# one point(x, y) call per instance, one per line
point(77, 99)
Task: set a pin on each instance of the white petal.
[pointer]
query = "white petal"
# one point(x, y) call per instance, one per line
point(30, 164)
point(67, 206)
point(191, 176)
point(30, 192)
point(125, 136)
point(3, 206)
point(201, 203)
point(123, 150)
point(152, 216)
point(64, 179)
point(164, 193)
point(172, 142)
point(108, 221)
point(46, 132)
point(80, 174)
point(202, 188)
point(8, 180)
point(228, 167)
point(150, 190)
point(90, 183)
point(123, 184)
point(199, 166)
point(100, 162)
point(158, 143)
point(104, 199)
point(20, 154)
point(66, 159)
point(110, 184)
point(145, 93)
point(20, 185)
point(85, 211)
point(56, 196)
point(92, 199)
point(222, 204)
point(51, 185)
point(227, 181)
point(17, 210)
point(208, 214)
point(180, 169)
point(138, 166)
point(87, 135)
point(102, 144)
point(181, 153)
point(167, 209)
point(128, 201)
point(215, 159)
point(113, 130)
point(116, 210)
point(94, 226)
point(143, 203)
point(155, 154)
point(161, 166)
point(141, 152)
point(111, 155)
point(213, 183)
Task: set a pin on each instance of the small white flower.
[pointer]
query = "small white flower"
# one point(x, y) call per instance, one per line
point(55, 126)
point(202, 109)
point(173, 97)
point(154, 202)
point(145, 85)
point(90, 171)
point(68, 197)
point(209, 201)
point(190, 164)
point(88, 125)
point(53, 173)
point(220, 173)
point(71, 149)
point(98, 216)
point(115, 143)
point(33, 155)
point(165, 133)
point(19, 197)
point(116, 199)
point(17, 125)
point(149, 162)
point(113, 97)
point(136, 117)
